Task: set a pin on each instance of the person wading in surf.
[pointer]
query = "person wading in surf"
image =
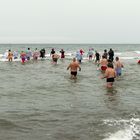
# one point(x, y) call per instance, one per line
point(110, 75)
point(74, 65)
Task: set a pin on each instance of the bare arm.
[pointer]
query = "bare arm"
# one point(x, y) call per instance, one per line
point(79, 68)
point(68, 67)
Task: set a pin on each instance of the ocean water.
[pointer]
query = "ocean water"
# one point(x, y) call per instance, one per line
point(38, 101)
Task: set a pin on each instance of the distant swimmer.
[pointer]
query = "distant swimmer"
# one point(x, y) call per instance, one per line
point(28, 54)
point(105, 54)
point(52, 52)
point(23, 57)
point(42, 53)
point(81, 51)
point(15, 54)
point(110, 75)
point(5, 55)
point(55, 58)
point(36, 54)
point(62, 54)
point(103, 63)
point(74, 65)
point(90, 54)
point(118, 66)
point(111, 54)
point(97, 57)
point(79, 57)
point(10, 56)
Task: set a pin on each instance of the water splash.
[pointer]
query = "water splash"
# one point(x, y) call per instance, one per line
point(131, 130)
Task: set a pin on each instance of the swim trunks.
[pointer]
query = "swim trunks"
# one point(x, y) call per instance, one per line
point(74, 73)
point(28, 58)
point(23, 59)
point(55, 59)
point(62, 56)
point(118, 71)
point(110, 80)
point(103, 68)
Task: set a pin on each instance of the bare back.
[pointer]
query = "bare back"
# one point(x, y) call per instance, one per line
point(74, 66)
point(103, 62)
point(110, 73)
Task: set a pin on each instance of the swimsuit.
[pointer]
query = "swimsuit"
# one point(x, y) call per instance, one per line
point(103, 68)
point(118, 71)
point(55, 59)
point(74, 73)
point(110, 79)
point(62, 56)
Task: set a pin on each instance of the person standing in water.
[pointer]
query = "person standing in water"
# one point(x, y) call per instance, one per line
point(110, 75)
point(23, 57)
point(5, 55)
point(42, 53)
point(105, 54)
point(81, 51)
point(111, 54)
point(55, 58)
point(10, 56)
point(29, 54)
point(36, 54)
point(15, 54)
point(97, 57)
point(62, 54)
point(74, 65)
point(79, 57)
point(52, 52)
point(118, 66)
point(103, 63)
point(90, 54)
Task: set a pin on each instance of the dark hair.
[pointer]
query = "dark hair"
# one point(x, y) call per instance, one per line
point(117, 58)
point(110, 65)
point(109, 61)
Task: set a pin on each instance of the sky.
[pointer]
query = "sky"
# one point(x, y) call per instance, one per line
point(70, 21)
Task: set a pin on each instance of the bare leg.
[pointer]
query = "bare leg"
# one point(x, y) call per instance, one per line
point(109, 84)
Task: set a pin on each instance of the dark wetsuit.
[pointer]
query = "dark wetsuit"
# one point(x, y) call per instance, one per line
point(97, 57)
point(105, 55)
point(42, 53)
point(111, 55)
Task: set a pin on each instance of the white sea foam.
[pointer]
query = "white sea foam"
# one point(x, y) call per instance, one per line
point(70, 55)
point(125, 58)
point(118, 53)
point(137, 52)
point(131, 129)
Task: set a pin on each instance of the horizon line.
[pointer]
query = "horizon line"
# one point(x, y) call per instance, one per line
point(30, 43)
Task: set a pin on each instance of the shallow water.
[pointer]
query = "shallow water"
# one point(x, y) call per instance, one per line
point(39, 101)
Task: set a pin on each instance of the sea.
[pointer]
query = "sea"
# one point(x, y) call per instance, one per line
point(39, 101)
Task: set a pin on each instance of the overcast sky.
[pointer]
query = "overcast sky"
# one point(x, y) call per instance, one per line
point(69, 21)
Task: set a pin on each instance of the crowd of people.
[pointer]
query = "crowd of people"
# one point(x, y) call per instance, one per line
point(109, 67)
point(28, 55)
